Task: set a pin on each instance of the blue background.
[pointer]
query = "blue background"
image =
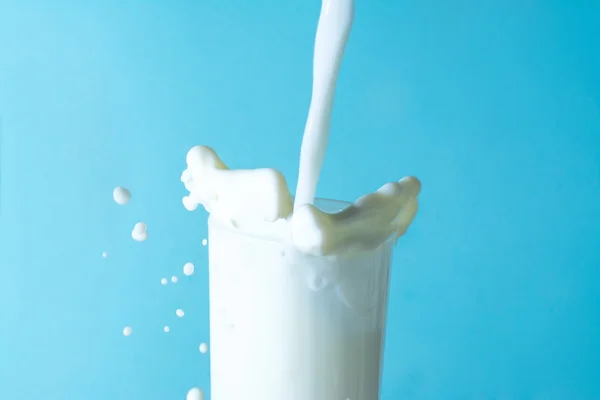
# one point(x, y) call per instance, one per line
point(494, 105)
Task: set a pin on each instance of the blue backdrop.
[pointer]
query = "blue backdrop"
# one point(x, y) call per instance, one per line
point(494, 105)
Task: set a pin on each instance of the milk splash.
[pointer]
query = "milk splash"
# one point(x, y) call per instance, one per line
point(258, 201)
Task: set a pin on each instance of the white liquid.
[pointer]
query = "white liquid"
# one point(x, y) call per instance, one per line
point(121, 195)
point(204, 242)
point(188, 269)
point(366, 224)
point(242, 196)
point(203, 348)
point(174, 279)
point(179, 312)
point(332, 34)
point(163, 281)
point(104, 254)
point(196, 394)
point(166, 329)
point(139, 232)
point(127, 331)
point(286, 325)
point(298, 294)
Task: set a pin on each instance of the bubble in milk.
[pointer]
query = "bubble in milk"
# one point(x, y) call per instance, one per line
point(195, 394)
point(167, 329)
point(127, 331)
point(203, 348)
point(204, 242)
point(174, 279)
point(163, 281)
point(188, 269)
point(121, 195)
point(179, 312)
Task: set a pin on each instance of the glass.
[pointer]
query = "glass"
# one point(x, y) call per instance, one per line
point(290, 326)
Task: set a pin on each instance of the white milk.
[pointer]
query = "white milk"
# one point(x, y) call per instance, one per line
point(298, 291)
point(288, 325)
point(332, 34)
point(121, 195)
point(364, 225)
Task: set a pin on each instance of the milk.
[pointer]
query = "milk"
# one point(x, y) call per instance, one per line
point(288, 325)
point(298, 286)
point(332, 34)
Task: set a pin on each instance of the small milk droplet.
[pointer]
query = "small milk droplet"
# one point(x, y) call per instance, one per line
point(179, 312)
point(139, 237)
point(163, 281)
point(203, 348)
point(188, 269)
point(195, 394)
point(174, 279)
point(121, 195)
point(140, 227)
point(204, 242)
point(166, 329)
point(104, 254)
point(127, 331)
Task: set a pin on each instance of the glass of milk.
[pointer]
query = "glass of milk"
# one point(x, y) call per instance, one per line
point(286, 325)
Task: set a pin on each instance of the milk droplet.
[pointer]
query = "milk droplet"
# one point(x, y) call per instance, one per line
point(204, 242)
point(179, 312)
point(195, 394)
point(203, 348)
point(188, 269)
point(140, 227)
point(139, 237)
point(174, 279)
point(104, 254)
point(163, 281)
point(127, 331)
point(140, 232)
point(166, 329)
point(121, 195)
